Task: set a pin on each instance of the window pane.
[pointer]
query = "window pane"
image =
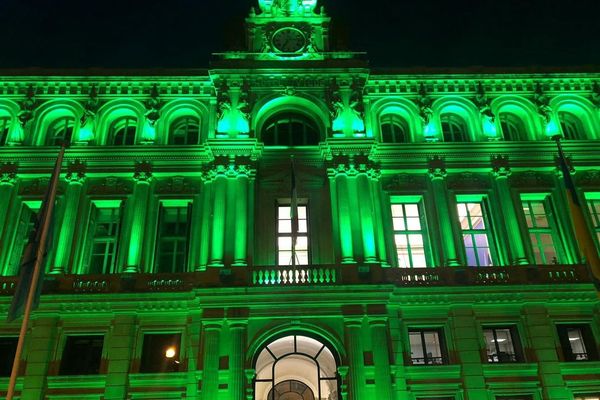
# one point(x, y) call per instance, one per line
point(285, 226)
point(160, 353)
point(82, 355)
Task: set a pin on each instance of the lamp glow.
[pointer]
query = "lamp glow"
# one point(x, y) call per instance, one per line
point(170, 353)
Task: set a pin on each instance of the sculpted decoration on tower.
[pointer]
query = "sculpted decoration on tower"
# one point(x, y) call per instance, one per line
point(287, 7)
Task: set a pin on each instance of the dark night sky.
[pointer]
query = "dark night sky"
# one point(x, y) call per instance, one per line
point(396, 33)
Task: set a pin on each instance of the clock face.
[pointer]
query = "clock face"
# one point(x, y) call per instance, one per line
point(288, 40)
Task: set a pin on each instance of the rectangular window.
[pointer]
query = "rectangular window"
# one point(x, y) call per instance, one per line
point(160, 352)
point(409, 233)
point(8, 348)
point(577, 342)
point(172, 240)
point(288, 233)
point(501, 345)
point(593, 202)
point(82, 355)
point(426, 347)
point(475, 232)
point(104, 228)
point(542, 229)
point(587, 396)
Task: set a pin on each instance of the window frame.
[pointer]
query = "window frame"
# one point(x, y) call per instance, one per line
point(130, 122)
point(571, 126)
point(399, 128)
point(9, 360)
point(516, 344)
point(65, 342)
point(181, 353)
point(592, 201)
point(285, 203)
point(91, 240)
point(66, 131)
point(184, 120)
point(287, 118)
point(489, 232)
point(419, 202)
point(443, 350)
point(553, 228)
point(5, 124)
point(587, 336)
point(186, 204)
point(458, 128)
point(516, 131)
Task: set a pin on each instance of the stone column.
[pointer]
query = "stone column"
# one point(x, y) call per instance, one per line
point(138, 210)
point(193, 329)
point(540, 330)
point(120, 346)
point(379, 226)
point(366, 218)
point(237, 355)
point(243, 181)
point(210, 371)
point(218, 220)
point(437, 174)
point(508, 211)
point(381, 358)
point(66, 239)
point(469, 352)
point(339, 184)
point(356, 361)
point(8, 179)
point(40, 349)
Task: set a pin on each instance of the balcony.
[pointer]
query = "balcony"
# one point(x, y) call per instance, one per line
point(313, 275)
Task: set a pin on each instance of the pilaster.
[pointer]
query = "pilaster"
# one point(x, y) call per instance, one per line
point(40, 346)
point(210, 365)
point(354, 346)
point(447, 239)
point(501, 172)
point(237, 355)
point(381, 357)
point(119, 353)
point(138, 209)
point(75, 179)
point(8, 181)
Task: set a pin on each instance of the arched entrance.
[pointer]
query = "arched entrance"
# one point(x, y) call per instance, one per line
point(296, 367)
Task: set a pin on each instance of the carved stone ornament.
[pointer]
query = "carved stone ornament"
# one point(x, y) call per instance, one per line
point(27, 107)
point(90, 109)
point(542, 103)
point(532, 179)
point(175, 185)
point(404, 181)
point(352, 165)
point(8, 173)
point(153, 106)
point(500, 166)
point(110, 186)
point(588, 178)
point(437, 167)
point(36, 187)
point(76, 172)
point(483, 103)
point(143, 171)
point(424, 102)
point(467, 180)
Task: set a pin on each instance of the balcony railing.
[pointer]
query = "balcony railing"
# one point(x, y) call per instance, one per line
point(313, 275)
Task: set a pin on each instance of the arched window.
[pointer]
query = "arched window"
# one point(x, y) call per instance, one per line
point(394, 129)
point(512, 126)
point(571, 125)
point(184, 130)
point(296, 367)
point(122, 131)
point(60, 130)
point(290, 129)
point(4, 128)
point(454, 128)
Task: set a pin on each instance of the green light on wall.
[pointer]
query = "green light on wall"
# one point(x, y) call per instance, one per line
point(233, 122)
point(430, 132)
point(86, 132)
point(348, 121)
point(149, 132)
point(489, 127)
point(552, 128)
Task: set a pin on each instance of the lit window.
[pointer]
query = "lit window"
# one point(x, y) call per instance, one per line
point(60, 130)
point(454, 128)
point(122, 131)
point(4, 128)
point(577, 342)
point(594, 208)
point(185, 130)
point(161, 352)
point(500, 345)
point(393, 129)
point(287, 234)
point(82, 355)
point(426, 347)
point(475, 233)
point(409, 235)
point(513, 128)
point(571, 125)
point(587, 396)
point(290, 129)
point(541, 227)
point(8, 348)
point(104, 228)
point(172, 241)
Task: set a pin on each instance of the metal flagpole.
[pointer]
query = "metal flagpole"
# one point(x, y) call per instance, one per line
point(584, 238)
point(41, 236)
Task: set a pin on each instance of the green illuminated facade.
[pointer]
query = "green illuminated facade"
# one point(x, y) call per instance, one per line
point(435, 254)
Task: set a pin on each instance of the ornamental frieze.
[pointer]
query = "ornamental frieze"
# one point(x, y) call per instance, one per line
point(404, 182)
point(532, 179)
point(111, 185)
point(468, 180)
point(176, 185)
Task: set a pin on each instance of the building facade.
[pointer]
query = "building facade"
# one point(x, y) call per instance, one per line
point(434, 254)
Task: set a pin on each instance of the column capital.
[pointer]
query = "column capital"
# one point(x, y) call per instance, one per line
point(500, 166)
point(352, 165)
point(76, 172)
point(238, 324)
point(378, 321)
point(8, 174)
point(230, 167)
point(437, 168)
point(142, 172)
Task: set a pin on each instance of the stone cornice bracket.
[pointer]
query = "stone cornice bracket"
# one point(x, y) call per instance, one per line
point(27, 106)
point(353, 165)
point(558, 170)
point(230, 167)
point(142, 171)
point(76, 172)
point(500, 166)
point(8, 173)
point(335, 147)
point(436, 167)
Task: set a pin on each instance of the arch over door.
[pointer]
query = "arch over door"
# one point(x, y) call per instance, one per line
point(296, 367)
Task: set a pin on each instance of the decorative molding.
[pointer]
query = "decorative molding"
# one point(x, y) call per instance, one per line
point(467, 180)
point(437, 168)
point(404, 181)
point(175, 185)
point(143, 172)
point(8, 173)
point(76, 171)
point(532, 179)
point(500, 166)
point(111, 185)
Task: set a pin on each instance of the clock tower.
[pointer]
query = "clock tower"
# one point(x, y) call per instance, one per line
point(288, 29)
